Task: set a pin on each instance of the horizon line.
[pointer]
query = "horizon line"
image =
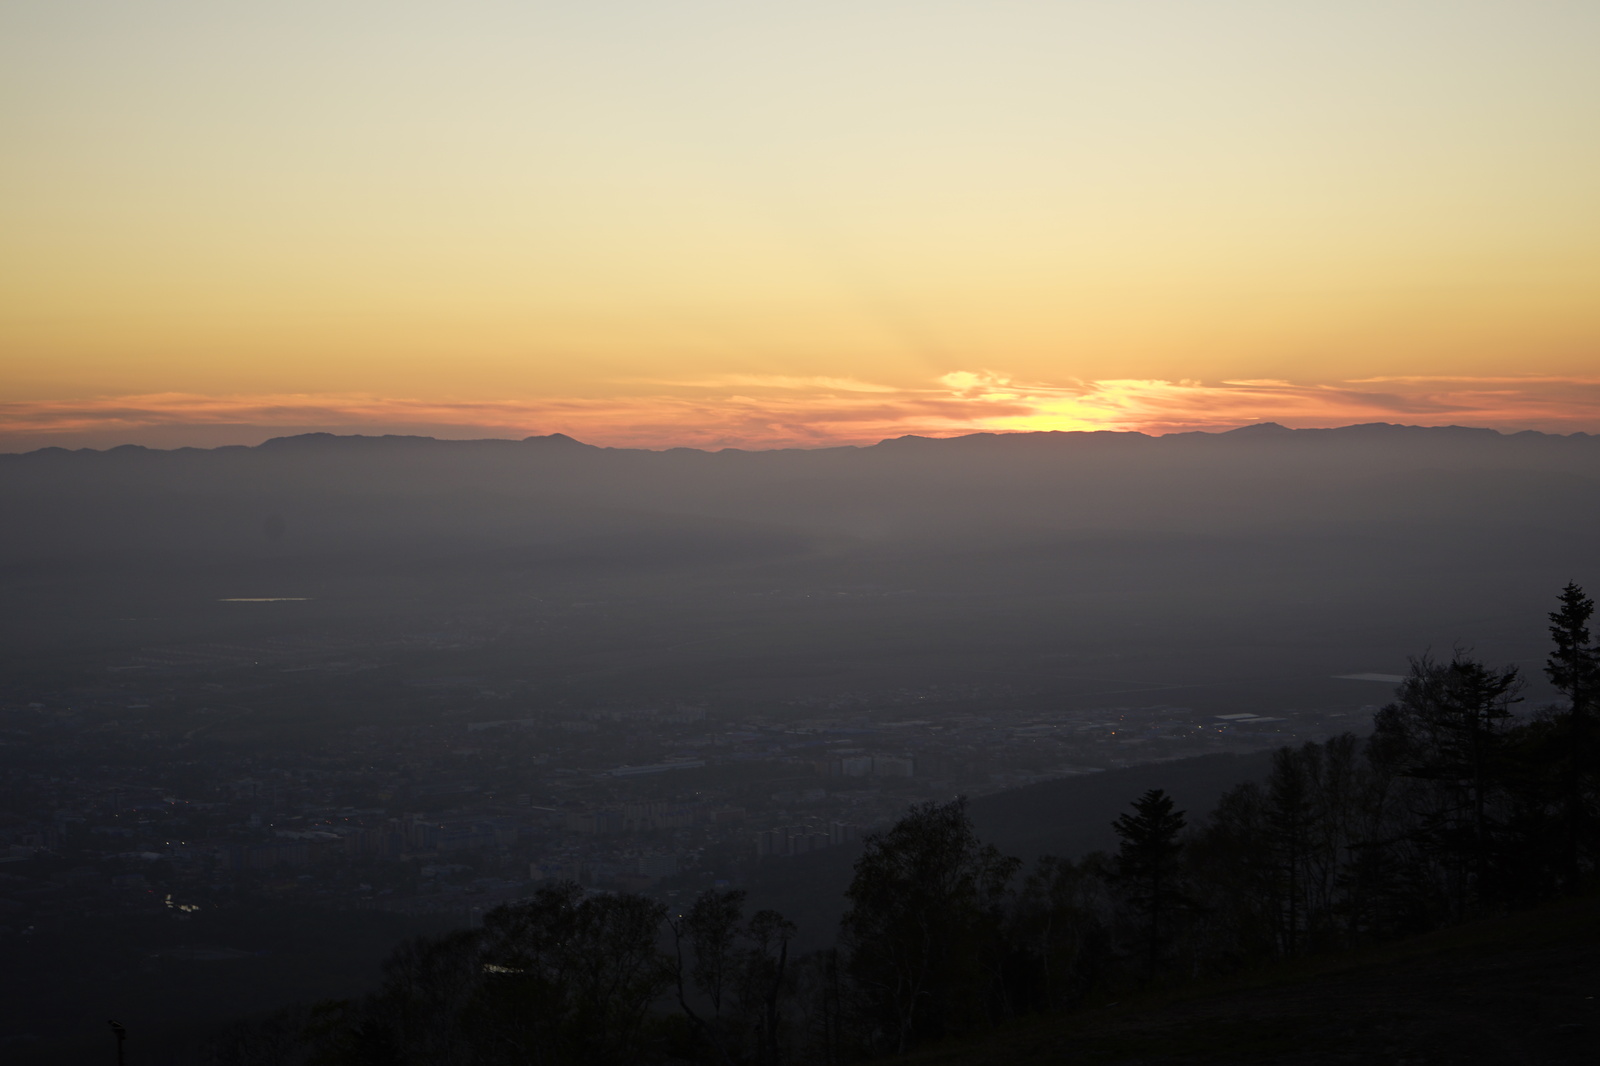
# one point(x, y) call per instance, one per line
point(1269, 426)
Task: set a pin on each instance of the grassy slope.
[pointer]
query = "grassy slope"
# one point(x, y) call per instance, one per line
point(1511, 990)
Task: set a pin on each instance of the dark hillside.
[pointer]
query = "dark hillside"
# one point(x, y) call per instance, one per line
point(1521, 989)
point(1073, 815)
point(1066, 817)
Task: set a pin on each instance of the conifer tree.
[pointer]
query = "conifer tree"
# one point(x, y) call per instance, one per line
point(1574, 668)
point(1147, 861)
point(1574, 665)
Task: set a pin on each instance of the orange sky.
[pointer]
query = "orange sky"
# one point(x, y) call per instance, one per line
point(730, 224)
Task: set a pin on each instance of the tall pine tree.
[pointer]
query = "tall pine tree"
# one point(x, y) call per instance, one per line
point(1574, 669)
point(1147, 861)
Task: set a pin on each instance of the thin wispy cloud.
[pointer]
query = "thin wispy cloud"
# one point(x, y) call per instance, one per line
point(765, 411)
point(767, 381)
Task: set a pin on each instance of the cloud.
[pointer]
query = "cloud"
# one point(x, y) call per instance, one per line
point(769, 381)
point(1156, 406)
point(765, 411)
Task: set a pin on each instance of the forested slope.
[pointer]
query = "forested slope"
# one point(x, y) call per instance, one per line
point(1520, 989)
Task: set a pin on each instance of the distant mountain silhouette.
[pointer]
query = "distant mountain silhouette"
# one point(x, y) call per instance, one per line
point(994, 487)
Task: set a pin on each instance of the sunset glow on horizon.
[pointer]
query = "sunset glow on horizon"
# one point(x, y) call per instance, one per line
point(717, 224)
point(788, 412)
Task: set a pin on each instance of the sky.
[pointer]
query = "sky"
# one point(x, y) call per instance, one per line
point(764, 223)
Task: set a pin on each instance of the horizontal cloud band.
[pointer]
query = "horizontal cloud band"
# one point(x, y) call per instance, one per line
point(767, 412)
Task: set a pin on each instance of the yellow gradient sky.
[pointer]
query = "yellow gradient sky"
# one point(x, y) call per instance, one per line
point(765, 223)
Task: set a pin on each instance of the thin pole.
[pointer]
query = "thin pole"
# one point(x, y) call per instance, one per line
point(122, 1036)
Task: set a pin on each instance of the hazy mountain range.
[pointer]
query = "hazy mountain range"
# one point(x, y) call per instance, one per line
point(1335, 547)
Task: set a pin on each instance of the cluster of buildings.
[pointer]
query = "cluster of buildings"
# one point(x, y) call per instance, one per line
point(800, 839)
point(856, 764)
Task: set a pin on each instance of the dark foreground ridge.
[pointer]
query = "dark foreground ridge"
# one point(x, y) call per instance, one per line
point(1520, 989)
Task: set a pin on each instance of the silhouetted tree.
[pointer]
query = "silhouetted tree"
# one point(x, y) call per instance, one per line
point(291, 1036)
point(1059, 925)
point(709, 931)
point(1234, 879)
point(1147, 863)
point(739, 969)
point(1291, 825)
point(924, 926)
point(763, 974)
point(420, 1013)
point(1448, 732)
point(826, 1033)
point(556, 979)
point(1347, 807)
point(1574, 668)
point(570, 979)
